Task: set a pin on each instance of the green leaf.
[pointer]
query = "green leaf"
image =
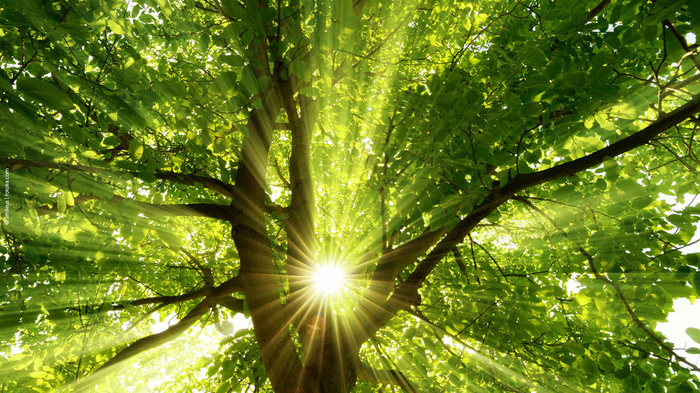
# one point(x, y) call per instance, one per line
point(682, 272)
point(630, 186)
point(693, 351)
point(115, 27)
point(685, 387)
point(534, 56)
point(407, 204)
point(232, 8)
point(437, 218)
point(139, 233)
point(662, 11)
point(300, 69)
point(45, 92)
point(172, 88)
point(602, 119)
point(135, 150)
point(225, 387)
point(694, 334)
point(250, 81)
point(61, 203)
point(240, 333)
point(202, 362)
point(531, 109)
point(169, 238)
point(232, 60)
point(227, 327)
point(223, 83)
point(341, 9)
point(70, 235)
point(39, 374)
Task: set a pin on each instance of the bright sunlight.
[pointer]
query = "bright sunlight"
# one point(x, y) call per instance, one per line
point(329, 279)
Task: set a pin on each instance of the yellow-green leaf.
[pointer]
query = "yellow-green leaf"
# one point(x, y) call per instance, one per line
point(116, 28)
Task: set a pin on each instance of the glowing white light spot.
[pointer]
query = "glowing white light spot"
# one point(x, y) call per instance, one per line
point(329, 279)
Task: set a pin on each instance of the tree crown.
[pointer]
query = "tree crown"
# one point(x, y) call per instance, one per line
point(460, 163)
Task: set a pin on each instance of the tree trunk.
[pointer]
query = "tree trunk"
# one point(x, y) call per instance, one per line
point(330, 365)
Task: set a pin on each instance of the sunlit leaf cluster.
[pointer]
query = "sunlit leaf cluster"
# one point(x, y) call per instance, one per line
point(170, 166)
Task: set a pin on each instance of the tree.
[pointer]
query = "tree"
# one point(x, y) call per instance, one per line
point(461, 162)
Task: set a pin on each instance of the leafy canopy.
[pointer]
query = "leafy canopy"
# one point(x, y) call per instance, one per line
point(462, 162)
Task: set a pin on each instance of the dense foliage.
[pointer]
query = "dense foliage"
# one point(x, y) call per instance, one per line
point(464, 162)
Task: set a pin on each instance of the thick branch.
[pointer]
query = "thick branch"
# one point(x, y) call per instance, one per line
point(283, 126)
point(210, 210)
point(523, 181)
point(206, 272)
point(406, 294)
point(394, 261)
point(215, 185)
point(232, 303)
point(258, 273)
point(202, 292)
point(146, 343)
point(143, 344)
point(595, 11)
point(301, 246)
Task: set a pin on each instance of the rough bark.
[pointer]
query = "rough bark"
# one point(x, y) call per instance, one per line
point(301, 247)
point(258, 273)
